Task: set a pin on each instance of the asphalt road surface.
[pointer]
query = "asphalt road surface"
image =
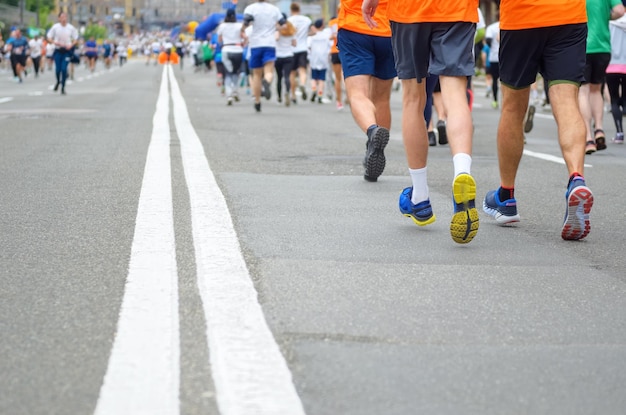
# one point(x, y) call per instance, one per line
point(163, 253)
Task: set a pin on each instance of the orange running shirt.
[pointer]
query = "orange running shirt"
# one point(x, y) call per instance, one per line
point(351, 18)
point(415, 11)
point(531, 14)
point(331, 24)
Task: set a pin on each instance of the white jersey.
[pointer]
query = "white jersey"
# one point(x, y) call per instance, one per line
point(194, 47)
point(319, 49)
point(64, 35)
point(35, 47)
point(248, 32)
point(493, 32)
point(122, 50)
point(49, 49)
point(231, 36)
point(302, 24)
point(284, 47)
point(266, 16)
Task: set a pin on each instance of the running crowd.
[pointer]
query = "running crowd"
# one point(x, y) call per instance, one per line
point(429, 47)
point(60, 49)
point(429, 50)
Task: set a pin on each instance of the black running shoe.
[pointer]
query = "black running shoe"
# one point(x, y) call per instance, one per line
point(267, 91)
point(432, 140)
point(443, 134)
point(528, 124)
point(374, 156)
point(257, 106)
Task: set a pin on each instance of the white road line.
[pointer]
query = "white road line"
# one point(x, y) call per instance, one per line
point(6, 99)
point(250, 374)
point(143, 376)
point(548, 157)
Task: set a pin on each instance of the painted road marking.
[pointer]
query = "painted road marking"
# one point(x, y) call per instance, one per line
point(249, 371)
point(143, 376)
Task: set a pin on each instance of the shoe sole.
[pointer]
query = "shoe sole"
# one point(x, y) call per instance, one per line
point(499, 217)
point(421, 222)
point(266, 92)
point(464, 223)
point(443, 134)
point(375, 156)
point(576, 225)
point(528, 125)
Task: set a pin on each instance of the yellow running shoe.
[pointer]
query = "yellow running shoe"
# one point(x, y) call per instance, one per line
point(464, 224)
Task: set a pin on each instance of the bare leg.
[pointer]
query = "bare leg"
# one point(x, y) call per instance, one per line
point(570, 124)
point(414, 134)
point(459, 117)
point(510, 133)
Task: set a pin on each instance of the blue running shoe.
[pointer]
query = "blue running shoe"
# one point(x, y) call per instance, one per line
point(422, 213)
point(579, 202)
point(374, 161)
point(503, 212)
point(464, 223)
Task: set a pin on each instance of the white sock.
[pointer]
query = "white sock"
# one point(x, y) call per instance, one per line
point(420, 185)
point(462, 163)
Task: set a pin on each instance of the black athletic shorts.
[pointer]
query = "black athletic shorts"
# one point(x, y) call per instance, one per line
point(595, 67)
point(300, 60)
point(557, 52)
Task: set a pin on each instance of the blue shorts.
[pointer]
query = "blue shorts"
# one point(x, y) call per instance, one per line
point(365, 55)
point(260, 56)
point(318, 74)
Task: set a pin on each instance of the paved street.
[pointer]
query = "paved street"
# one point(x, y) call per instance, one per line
point(163, 253)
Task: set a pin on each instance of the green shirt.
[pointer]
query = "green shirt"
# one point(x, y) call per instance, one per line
point(598, 15)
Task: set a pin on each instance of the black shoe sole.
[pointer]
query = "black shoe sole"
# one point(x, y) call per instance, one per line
point(443, 134)
point(266, 92)
point(432, 140)
point(375, 157)
point(528, 125)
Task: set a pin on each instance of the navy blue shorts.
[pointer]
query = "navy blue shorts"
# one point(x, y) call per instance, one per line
point(558, 53)
point(365, 55)
point(318, 74)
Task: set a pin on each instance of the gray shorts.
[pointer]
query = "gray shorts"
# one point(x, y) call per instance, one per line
point(444, 49)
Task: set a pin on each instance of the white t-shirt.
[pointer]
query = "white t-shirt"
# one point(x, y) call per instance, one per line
point(302, 24)
point(65, 35)
point(231, 36)
point(284, 47)
point(49, 49)
point(122, 50)
point(493, 32)
point(194, 47)
point(264, 24)
point(35, 47)
point(319, 49)
point(248, 32)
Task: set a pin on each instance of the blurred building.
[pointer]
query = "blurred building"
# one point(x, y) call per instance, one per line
point(131, 16)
